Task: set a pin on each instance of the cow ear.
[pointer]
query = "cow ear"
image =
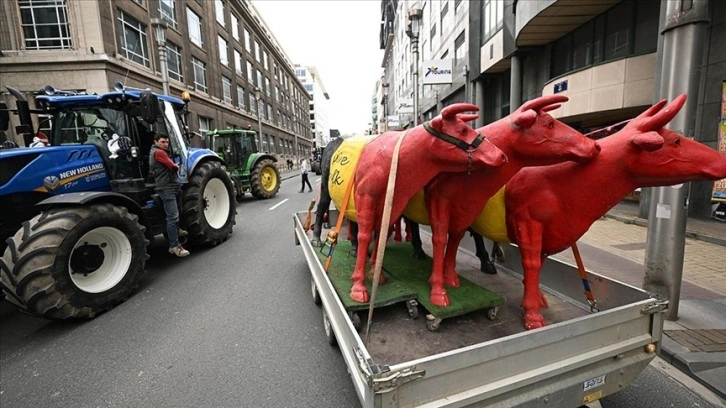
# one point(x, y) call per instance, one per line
point(525, 119)
point(649, 141)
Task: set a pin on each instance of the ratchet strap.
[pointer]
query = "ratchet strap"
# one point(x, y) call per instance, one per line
point(585, 282)
point(383, 231)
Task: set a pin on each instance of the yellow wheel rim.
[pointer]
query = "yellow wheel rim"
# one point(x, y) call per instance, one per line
point(268, 179)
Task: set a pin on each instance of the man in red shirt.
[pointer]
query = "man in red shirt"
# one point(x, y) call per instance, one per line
point(167, 185)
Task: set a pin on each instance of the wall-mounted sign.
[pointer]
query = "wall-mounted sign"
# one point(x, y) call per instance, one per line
point(393, 122)
point(560, 86)
point(437, 72)
point(404, 106)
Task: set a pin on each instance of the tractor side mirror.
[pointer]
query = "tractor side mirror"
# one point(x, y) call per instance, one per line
point(150, 107)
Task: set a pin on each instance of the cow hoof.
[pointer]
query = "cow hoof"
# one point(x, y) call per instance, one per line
point(452, 282)
point(420, 255)
point(440, 299)
point(360, 296)
point(533, 321)
point(488, 267)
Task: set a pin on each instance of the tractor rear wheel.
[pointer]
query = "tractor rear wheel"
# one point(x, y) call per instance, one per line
point(74, 262)
point(264, 179)
point(208, 207)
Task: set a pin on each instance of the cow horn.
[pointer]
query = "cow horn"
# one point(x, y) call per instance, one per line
point(449, 112)
point(539, 103)
point(658, 120)
point(467, 117)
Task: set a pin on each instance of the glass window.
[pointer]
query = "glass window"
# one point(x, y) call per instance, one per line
point(250, 73)
point(240, 97)
point(460, 48)
point(167, 11)
point(174, 61)
point(195, 27)
point(582, 46)
point(219, 12)
point(257, 51)
point(259, 79)
point(646, 27)
point(444, 11)
point(238, 63)
point(264, 60)
point(253, 104)
point(223, 57)
point(45, 24)
point(261, 108)
point(200, 75)
point(205, 124)
point(561, 56)
point(235, 27)
point(267, 86)
point(133, 40)
point(492, 18)
point(618, 30)
point(248, 45)
point(226, 89)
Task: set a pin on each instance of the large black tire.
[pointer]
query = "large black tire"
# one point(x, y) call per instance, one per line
point(208, 206)
point(264, 179)
point(74, 262)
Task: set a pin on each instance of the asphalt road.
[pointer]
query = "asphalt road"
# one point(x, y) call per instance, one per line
point(231, 326)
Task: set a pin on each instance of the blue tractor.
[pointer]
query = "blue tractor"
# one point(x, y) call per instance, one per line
point(77, 216)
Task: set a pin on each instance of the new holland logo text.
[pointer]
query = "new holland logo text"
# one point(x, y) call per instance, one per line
point(80, 170)
point(437, 71)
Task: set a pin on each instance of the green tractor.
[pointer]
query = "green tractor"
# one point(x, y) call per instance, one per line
point(251, 171)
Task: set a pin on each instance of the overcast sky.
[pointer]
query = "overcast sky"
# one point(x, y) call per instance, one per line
point(339, 38)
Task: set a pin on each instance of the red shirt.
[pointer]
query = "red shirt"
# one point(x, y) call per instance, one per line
point(163, 158)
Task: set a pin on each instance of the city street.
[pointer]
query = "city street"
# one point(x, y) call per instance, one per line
point(229, 326)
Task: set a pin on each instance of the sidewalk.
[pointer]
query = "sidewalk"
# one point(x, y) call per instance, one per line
point(696, 342)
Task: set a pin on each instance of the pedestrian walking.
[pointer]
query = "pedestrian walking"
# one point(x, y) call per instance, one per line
point(304, 175)
point(167, 186)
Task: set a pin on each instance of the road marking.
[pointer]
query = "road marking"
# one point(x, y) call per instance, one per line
point(278, 204)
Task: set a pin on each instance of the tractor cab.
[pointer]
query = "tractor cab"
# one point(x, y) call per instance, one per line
point(251, 171)
point(234, 146)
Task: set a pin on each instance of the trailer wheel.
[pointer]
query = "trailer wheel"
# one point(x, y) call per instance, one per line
point(432, 323)
point(208, 207)
point(264, 179)
point(492, 313)
point(74, 262)
point(412, 306)
point(329, 334)
point(316, 295)
point(355, 319)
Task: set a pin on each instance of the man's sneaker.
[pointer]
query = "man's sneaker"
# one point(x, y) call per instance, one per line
point(182, 233)
point(179, 251)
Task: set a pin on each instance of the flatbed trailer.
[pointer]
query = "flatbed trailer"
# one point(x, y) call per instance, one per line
point(580, 357)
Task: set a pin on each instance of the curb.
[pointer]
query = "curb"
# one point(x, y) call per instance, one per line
point(689, 233)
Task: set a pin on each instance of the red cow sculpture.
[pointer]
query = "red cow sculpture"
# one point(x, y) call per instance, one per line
point(450, 145)
point(529, 137)
point(549, 208)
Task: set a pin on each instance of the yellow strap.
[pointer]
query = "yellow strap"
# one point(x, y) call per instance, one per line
point(383, 232)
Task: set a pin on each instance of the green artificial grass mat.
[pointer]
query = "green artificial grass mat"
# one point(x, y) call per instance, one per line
point(407, 278)
point(341, 267)
point(467, 298)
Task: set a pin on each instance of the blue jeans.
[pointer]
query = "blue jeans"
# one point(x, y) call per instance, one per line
point(168, 197)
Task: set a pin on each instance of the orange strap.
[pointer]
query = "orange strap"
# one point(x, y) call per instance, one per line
point(333, 235)
point(583, 276)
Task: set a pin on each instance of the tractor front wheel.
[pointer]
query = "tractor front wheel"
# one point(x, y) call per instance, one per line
point(265, 179)
point(74, 262)
point(208, 207)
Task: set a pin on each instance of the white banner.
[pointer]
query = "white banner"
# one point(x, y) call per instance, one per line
point(437, 72)
point(404, 106)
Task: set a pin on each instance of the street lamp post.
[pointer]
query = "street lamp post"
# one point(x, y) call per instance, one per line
point(385, 106)
point(160, 27)
point(258, 98)
point(414, 15)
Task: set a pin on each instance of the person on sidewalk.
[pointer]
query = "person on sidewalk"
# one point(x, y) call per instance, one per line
point(304, 175)
point(167, 186)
